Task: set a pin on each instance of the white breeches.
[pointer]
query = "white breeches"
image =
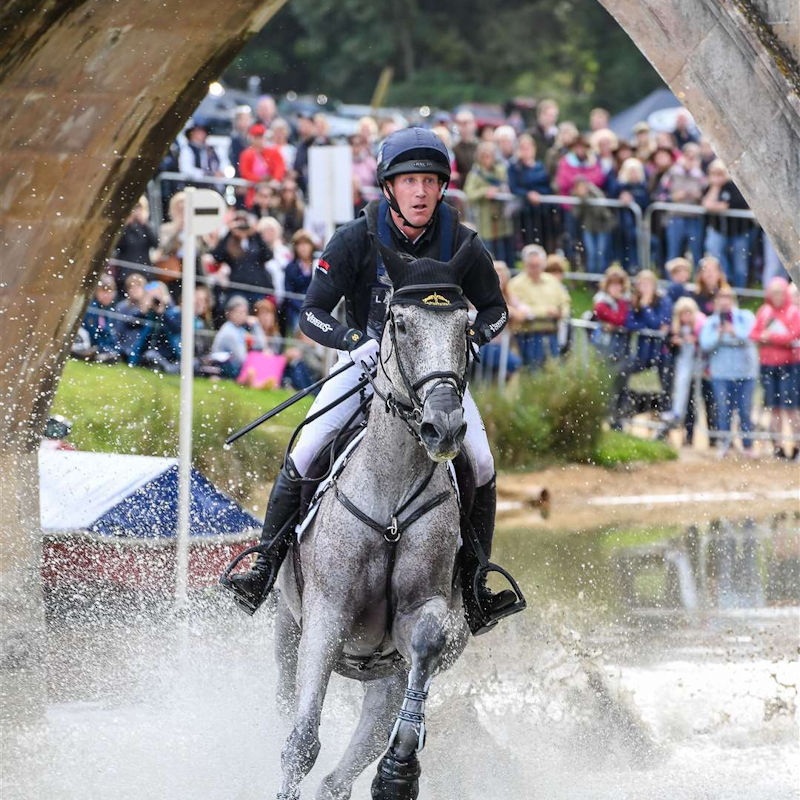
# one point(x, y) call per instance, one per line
point(317, 433)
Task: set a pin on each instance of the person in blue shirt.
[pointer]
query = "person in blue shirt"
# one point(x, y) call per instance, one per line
point(733, 364)
point(651, 314)
point(528, 180)
point(103, 329)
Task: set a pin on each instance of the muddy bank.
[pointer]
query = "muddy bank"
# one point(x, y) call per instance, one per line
point(696, 488)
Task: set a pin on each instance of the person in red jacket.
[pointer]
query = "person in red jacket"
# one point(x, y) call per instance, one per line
point(260, 162)
point(610, 308)
point(777, 328)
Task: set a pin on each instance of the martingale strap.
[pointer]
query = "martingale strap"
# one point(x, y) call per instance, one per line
point(395, 529)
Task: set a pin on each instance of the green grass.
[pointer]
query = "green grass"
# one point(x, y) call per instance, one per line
point(122, 410)
point(555, 415)
point(614, 448)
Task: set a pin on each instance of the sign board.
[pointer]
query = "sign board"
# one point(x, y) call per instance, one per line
point(208, 208)
point(330, 188)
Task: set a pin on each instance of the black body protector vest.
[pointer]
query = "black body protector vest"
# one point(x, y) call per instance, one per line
point(381, 290)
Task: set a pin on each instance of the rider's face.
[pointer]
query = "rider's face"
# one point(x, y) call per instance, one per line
point(417, 195)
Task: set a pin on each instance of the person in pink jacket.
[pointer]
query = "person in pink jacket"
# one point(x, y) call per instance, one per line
point(777, 328)
point(794, 383)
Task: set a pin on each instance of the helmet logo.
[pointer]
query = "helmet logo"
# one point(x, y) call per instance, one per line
point(422, 164)
point(435, 299)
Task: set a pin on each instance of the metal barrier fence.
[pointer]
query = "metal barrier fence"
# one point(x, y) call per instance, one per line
point(643, 219)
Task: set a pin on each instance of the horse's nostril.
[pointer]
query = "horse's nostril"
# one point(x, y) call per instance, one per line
point(428, 432)
point(462, 432)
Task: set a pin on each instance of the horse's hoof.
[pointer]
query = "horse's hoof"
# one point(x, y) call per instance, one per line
point(396, 780)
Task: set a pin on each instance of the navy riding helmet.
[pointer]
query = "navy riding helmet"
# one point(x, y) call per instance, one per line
point(407, 151)
point(413, 150)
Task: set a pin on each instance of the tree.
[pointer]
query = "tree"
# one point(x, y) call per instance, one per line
point(446, 52)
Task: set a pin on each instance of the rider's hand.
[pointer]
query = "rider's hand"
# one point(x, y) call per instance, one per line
point(352, 339)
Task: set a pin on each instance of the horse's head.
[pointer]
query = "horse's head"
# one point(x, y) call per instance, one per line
point(424, 348)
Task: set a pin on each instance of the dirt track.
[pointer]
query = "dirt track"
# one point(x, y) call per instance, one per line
point(579, 493)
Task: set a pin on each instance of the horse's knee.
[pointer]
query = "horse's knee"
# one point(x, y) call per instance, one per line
point(428, 638)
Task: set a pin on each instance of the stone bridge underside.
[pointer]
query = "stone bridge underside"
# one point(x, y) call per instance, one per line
point(92, 92)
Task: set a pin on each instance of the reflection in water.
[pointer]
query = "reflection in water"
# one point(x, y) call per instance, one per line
point(652, 664)
point(726, 566)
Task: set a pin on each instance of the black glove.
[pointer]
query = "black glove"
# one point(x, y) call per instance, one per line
point(479, 336)
point(352, 339)
point(476, 338)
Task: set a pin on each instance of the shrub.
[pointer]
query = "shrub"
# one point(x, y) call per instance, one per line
point(555, 412)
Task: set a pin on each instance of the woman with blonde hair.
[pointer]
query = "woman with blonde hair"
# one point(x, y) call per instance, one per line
point(487, 179)
point(687, 321)
point(710, 279)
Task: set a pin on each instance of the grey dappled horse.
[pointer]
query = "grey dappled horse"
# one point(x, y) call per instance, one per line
point(364, 594)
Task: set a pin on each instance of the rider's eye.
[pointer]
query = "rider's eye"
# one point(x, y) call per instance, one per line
point(400, 325)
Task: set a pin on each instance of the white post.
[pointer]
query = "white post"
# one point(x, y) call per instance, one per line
point(187, 377)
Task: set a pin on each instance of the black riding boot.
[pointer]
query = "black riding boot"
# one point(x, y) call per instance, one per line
point(251, 588)
point(484, 608)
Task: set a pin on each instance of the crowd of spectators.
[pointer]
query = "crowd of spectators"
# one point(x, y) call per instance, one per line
point(254, 272)
point(703, 352)
point(507, 174)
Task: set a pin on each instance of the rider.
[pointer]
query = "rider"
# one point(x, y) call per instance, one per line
point(413, 171)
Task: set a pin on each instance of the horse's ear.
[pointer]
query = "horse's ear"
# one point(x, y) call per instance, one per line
point(470, 251)
point(395, 265)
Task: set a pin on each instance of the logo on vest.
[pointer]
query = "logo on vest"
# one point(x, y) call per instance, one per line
point(435, 299)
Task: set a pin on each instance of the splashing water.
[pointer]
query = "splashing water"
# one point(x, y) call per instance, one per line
point(575, 699)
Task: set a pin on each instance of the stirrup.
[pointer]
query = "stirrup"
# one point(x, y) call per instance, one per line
point(481, 619)
point(243, 601)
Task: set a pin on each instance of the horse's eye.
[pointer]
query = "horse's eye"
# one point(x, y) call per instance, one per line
point(400, 325)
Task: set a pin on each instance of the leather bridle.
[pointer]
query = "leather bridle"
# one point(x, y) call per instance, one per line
point(410, 408)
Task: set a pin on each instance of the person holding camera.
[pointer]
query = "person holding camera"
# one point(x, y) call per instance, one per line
point(246, 254)
point(733, 364)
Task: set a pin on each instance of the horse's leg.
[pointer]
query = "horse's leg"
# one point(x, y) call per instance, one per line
point(420, 634)
point(381, 699)
point(287, 640)
point(320, 646)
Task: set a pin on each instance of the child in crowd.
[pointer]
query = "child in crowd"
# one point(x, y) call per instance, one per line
point(271, 231)
point(733, 363)
point(491, 352)
point(650, 314)
point(687, 322)
point(101, 328)
point(710, 279)
point(776, 329)
point(679, 271)
point(610, 309)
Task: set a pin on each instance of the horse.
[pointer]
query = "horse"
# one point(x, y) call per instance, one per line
point(370, 592)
